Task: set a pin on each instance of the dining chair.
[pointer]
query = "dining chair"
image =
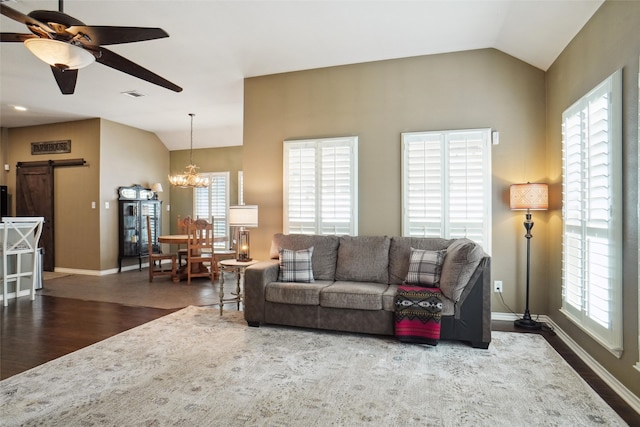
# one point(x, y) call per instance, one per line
point(159, 270)
point(183, 228)
point(200, 250)
point(20, 254)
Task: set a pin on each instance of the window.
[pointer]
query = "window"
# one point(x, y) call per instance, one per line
point(213, 202)
point(446, 185)
point(592, 213)
point(321, 186)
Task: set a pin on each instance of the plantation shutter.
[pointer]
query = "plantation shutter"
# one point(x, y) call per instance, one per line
point(213, 202)
point(592, 215)
point(336, 177)
point(300, 192)
point(447, 185)
point(424, 176)
point(468, 194)
point(320, 186)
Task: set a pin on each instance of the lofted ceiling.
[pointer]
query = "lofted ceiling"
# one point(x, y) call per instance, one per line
point(214, 45)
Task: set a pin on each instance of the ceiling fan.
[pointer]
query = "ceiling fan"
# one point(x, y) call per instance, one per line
point(67, 45)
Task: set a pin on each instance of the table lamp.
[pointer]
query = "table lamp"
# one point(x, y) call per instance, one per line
point(528, 197)
point(156, 188)
point(243, 216)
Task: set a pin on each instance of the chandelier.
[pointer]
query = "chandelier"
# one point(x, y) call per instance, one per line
point(190, 178)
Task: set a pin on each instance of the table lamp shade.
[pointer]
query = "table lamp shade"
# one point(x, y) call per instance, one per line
point(243, 216)
point(529, 196)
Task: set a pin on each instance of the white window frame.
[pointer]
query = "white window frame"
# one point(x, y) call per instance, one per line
point(240, 187)
point(433, 187)
point(219, 214)
point(592, 226)
point(319, 198)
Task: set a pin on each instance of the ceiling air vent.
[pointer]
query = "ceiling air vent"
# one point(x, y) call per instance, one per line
point(132, 94)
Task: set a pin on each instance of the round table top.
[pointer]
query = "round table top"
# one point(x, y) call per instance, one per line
point(174, 238)
point(236, 263)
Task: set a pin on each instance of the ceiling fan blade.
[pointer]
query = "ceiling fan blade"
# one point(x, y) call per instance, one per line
point(104, 35)
point(113, 60)
point(15, 37)
point(21, 17)
point(66, 80)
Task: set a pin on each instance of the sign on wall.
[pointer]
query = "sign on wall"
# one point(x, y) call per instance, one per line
point(51, 147)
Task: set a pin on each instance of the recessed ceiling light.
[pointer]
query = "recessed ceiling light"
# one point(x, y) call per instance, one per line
point(132, 94)
point(19, 108)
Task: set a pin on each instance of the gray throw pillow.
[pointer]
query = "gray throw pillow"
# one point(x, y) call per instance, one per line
point(295, 266)
point(425, 268)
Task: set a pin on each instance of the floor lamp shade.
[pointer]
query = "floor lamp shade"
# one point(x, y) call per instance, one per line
point(243, 216)
point(528, 197)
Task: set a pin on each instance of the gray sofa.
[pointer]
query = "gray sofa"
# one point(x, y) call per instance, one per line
point(355, 281)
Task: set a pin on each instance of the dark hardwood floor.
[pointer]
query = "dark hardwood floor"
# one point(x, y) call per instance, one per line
point(34, 332)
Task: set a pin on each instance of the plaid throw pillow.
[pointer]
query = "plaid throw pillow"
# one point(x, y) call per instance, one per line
point(295, 266)
point(425, 268)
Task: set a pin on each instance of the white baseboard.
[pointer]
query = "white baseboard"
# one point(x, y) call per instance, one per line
point(98, 272)
point(619, 388)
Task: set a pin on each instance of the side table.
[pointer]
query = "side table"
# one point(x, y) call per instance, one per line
point(238, 267)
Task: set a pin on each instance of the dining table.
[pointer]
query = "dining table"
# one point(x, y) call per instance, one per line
point(183, 239)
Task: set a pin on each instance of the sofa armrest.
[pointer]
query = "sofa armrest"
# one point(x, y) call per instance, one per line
point(473, 309)
point(256, 278)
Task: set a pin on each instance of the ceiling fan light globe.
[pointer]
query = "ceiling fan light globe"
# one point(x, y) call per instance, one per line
point(64, 56)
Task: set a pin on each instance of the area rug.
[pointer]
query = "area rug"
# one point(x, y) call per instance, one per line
point(195, 368)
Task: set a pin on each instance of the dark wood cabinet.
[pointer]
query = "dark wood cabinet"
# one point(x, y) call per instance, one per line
point(135, 203)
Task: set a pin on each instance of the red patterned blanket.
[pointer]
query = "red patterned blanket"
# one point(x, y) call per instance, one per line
point(418, 314)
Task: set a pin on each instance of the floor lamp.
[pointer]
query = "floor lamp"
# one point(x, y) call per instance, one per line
point(528, 197)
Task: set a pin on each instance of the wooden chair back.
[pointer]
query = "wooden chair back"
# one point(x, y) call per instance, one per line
point(159, 270)
point(183, 228)
point(200, 250)
point(183, 224)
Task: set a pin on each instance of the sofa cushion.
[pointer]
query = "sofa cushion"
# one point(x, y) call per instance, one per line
point(353, 295)
point(295, 266)
point(294, 292)
point(463, 257)
point(400, 252)
point(363, 259)
point(325, 251)
point(425, 267)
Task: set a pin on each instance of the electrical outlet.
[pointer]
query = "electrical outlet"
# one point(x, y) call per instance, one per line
point(497, 286)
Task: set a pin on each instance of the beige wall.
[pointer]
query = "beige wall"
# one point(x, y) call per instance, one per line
point(129, 156)
point(380, 100)
point(226, 159)
point(86, 239)
point(608, 42)
point(76, 225)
